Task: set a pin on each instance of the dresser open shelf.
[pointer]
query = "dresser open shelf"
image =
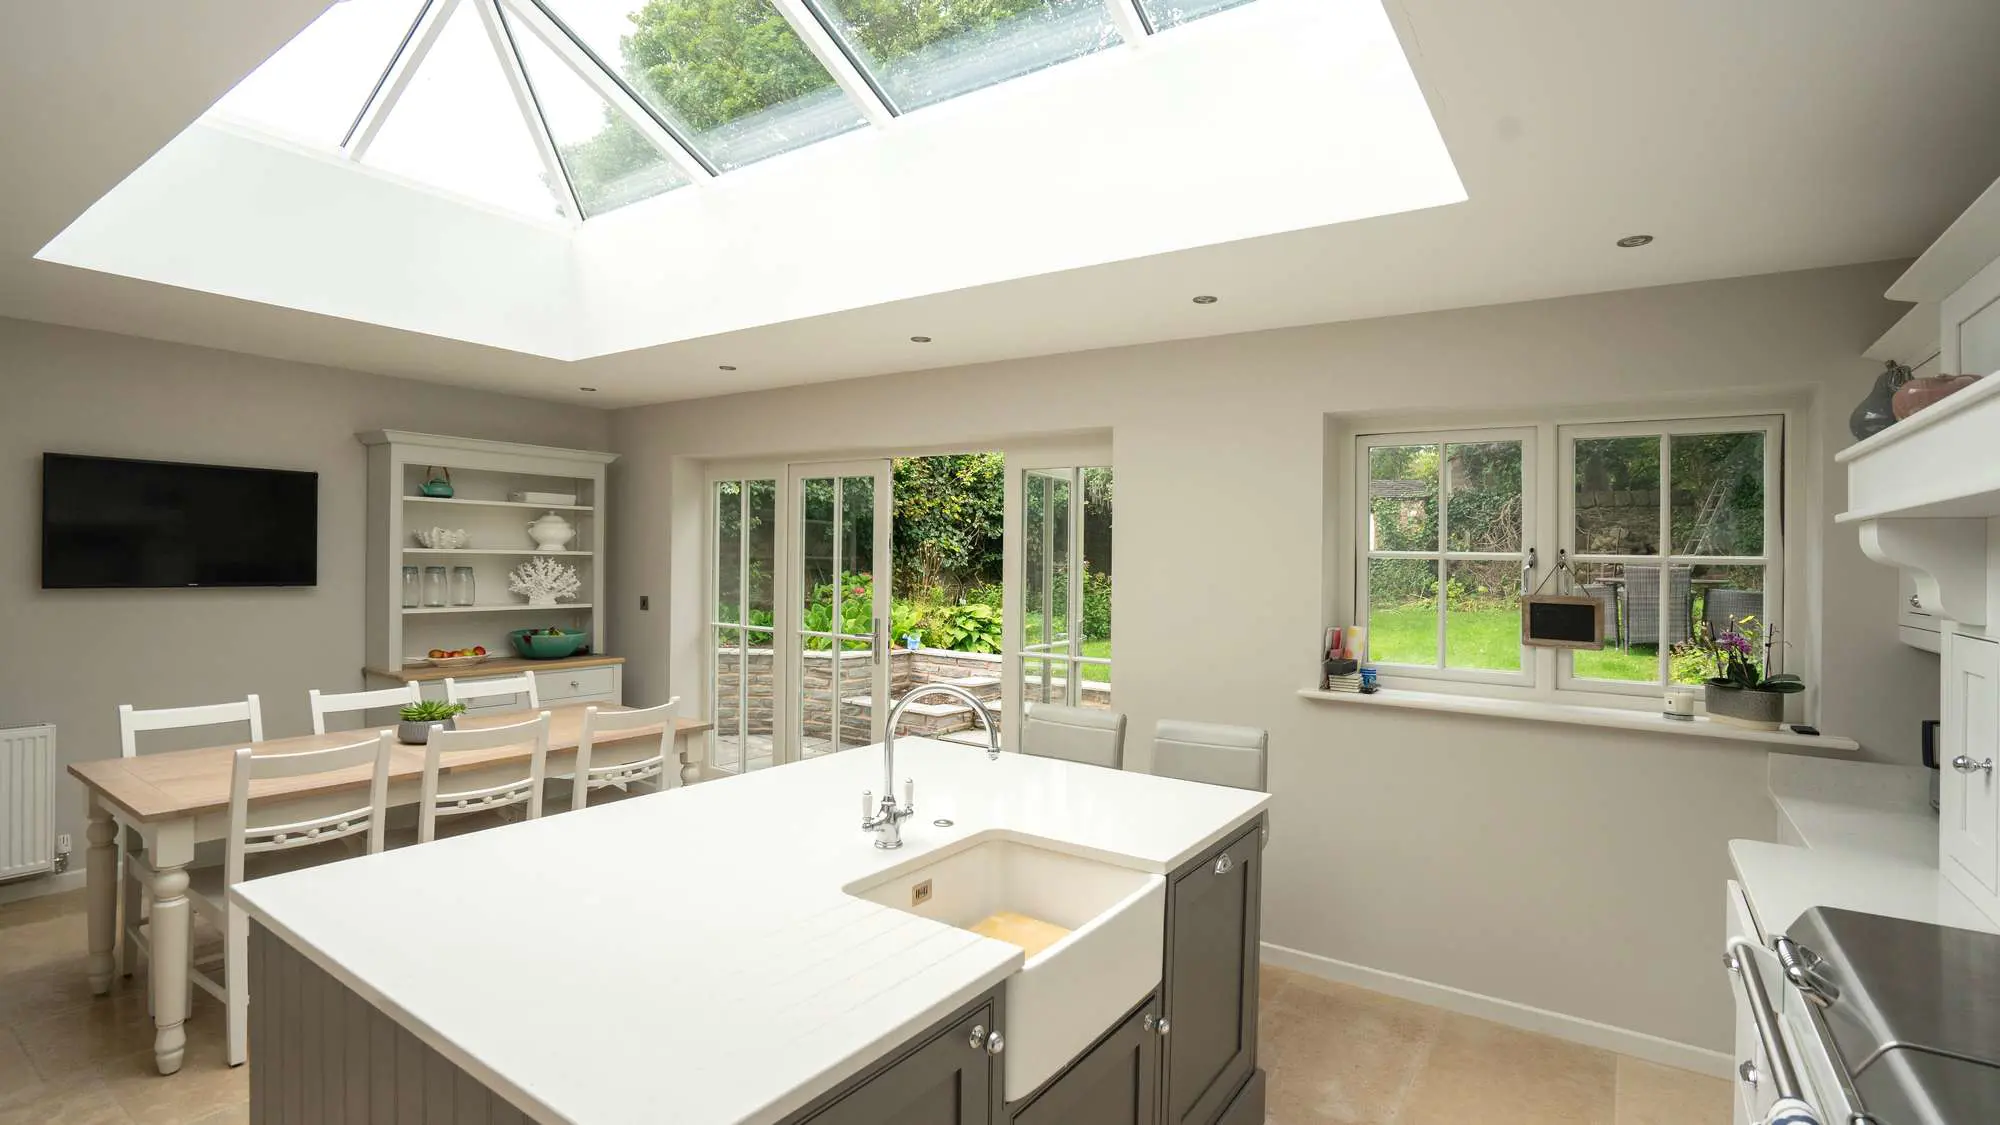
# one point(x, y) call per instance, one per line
point(484, 475)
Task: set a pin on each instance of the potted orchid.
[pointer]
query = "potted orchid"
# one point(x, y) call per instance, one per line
point(1744, 689)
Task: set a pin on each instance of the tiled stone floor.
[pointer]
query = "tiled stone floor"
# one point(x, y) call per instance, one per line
point(1336, 1055)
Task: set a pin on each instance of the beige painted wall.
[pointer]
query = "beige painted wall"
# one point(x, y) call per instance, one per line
point(1569, 869)
point(73, 656)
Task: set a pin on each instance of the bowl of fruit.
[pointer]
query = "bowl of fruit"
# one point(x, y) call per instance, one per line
point(552, 643)
point(457, 657)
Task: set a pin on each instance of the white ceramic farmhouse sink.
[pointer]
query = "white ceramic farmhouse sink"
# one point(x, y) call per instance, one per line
point(1070, 990)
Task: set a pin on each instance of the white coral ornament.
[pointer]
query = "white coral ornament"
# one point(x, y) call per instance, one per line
point(544, 581)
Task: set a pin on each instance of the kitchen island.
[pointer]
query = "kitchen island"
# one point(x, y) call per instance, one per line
point(725, 954)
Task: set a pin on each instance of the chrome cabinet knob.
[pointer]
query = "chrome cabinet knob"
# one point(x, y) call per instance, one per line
point(1164, 1026)
point(995, 1044)
point(1916, 602)
point(1964, 764)
point(977, 1039)
point(1224, 865)
point(1748, 1073)
point(576, 683)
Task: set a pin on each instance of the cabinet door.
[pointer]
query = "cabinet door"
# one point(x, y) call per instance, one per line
point(947, 1081)
point(1114, 1083)
point(1969, 799)
point(1211, 984)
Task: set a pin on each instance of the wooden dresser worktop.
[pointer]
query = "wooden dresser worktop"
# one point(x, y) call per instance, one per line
point(498, 666)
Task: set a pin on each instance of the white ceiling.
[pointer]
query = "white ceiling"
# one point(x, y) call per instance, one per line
point(1749, 139)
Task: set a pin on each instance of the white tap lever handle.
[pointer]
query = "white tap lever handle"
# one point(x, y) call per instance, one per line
point(867, 804)
point(909, 793)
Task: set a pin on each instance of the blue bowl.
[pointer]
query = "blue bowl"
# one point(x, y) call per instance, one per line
point(540, 645)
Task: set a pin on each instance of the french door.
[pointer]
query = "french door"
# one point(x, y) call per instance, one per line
point(1063, 625)
point(836, 642)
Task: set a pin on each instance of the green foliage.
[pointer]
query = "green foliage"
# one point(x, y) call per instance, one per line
point(715, 61)
point(949, 515)
point(431, 711)
point(857, 611)
point(1734, 659)
point(971, 627)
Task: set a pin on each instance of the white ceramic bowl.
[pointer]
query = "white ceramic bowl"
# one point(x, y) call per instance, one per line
point(444, 539)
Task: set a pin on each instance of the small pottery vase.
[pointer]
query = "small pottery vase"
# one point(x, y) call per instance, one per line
point(1877, 412)
point(1917, 394)
point(1745, 707)
point(551, 532)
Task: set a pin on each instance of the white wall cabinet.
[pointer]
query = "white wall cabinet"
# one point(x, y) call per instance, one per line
point(1968, 792)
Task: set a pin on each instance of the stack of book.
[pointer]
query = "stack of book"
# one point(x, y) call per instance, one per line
point(1349, 683)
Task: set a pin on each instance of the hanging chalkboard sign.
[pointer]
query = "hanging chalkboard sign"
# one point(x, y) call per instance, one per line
point(1562, 621)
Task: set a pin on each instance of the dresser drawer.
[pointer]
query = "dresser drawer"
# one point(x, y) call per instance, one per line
point(573, 685)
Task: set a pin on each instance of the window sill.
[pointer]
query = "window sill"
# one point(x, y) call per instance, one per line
point(1649, 722)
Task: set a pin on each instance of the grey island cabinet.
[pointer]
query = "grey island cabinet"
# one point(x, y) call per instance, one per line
point(643, 992)
point(1186, 1055)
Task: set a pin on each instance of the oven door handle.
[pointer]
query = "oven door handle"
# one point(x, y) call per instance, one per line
point(1791, 1108)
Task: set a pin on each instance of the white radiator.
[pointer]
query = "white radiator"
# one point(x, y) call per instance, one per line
point(27, 789)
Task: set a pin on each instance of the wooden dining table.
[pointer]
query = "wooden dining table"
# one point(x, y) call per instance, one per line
point(169, 802)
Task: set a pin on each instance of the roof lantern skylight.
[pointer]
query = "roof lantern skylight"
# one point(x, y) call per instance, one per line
point(577, 107)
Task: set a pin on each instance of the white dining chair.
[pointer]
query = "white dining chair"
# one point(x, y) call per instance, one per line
point(1212, 753)
point(621, 775)
point(476, 788)
point(135, 891)
point(324, 703)
point(465, 691)
point(262, 834)
point(1075, 734)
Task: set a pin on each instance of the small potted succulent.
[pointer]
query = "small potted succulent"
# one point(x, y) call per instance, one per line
point(1744, 689)
point(419, 719)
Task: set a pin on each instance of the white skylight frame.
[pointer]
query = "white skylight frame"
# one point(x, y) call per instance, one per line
point(502, 20)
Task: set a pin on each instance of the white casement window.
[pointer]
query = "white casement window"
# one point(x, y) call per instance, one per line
point(1446, 527)
point(1674, 526)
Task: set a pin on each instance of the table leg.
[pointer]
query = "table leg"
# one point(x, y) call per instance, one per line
point(101, 877)
point(171, 851)
point(691, 748)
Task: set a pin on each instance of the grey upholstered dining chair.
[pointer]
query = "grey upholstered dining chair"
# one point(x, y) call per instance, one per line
point(1212, 753)
point(1075, 734)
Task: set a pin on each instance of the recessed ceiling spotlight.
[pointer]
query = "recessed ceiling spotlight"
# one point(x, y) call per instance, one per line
point(726, 367)
point(920, 339)
point(1631, 240)
point(1205, 299)
point(588, 390)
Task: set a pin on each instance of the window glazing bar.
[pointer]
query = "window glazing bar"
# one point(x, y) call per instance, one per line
point(410, 54)
point(502, 40)
point(847, 71)
point(582, 62)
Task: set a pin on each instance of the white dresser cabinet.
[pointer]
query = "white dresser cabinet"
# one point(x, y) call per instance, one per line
point(1968, 792)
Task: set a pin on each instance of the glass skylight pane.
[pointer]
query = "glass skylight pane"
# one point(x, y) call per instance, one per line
point(923, 51)
point(610, 163)
point(1163, 14)
point(315, 86)
point(731, 75)
point(457, 126)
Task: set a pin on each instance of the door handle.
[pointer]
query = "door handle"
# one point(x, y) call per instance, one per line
point(1964, 764)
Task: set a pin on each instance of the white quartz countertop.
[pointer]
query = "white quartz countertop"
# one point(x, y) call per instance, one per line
point(690, 956)
point(1870, 845)
point(1881, 809)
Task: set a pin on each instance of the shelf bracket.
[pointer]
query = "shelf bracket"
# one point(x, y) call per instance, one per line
point(1946, 557)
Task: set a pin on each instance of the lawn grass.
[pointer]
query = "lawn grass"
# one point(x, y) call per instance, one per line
point(1487, 638)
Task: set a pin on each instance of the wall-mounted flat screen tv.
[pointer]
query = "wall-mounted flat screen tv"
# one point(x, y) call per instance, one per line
point(109, 523)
